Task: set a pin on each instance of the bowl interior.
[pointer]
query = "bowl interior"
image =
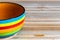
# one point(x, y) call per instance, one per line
point(10, 10)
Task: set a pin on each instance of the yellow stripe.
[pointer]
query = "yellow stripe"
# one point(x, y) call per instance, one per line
point(11, 29)
point(12, 23)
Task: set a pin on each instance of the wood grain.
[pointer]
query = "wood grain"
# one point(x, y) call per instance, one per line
point(30, 0)
point(42, 17)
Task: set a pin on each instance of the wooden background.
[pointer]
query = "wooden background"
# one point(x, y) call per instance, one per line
point(42, 18)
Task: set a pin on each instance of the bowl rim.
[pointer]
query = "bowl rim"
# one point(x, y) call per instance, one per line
point(17, 5)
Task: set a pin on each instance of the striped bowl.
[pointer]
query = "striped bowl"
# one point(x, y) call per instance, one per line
point(13, 23)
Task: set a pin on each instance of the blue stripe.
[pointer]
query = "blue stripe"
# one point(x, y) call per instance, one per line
point(11, 20)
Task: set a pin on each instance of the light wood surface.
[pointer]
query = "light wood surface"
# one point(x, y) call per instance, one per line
point(30, 0)
point(41, 18)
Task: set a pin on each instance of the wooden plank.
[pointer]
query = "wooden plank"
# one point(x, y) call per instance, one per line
point(40, 0)
point(40, 16)
point(32, 28)
point(31, 0)
point(37, 34)
point(35, 39)
point(43, 8)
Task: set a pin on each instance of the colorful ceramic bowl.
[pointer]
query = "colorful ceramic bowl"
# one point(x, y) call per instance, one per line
point(11, 18)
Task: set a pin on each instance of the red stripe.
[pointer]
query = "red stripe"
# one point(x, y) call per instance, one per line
point(12, 26)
